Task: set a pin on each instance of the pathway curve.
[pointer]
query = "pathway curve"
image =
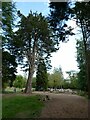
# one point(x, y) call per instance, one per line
point(65, 106)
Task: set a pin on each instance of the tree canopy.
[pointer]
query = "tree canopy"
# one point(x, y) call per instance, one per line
point(59, 15)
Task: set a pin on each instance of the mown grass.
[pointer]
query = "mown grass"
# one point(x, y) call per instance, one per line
point(11, 90)
point(21, 107)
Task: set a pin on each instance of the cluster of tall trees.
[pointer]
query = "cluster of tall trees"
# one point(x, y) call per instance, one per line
point(56, 80)
point(83, 20)
point(32, 40)
point(78, 12)
point(44, 80)
point(37, 37)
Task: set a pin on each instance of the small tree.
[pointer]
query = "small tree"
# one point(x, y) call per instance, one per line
point(19, 82)
point(41, 76)
point(56, 78)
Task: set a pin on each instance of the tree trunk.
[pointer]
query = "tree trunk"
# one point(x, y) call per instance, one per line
point(31, 59)
point(88, 67)
point(28, 88)
point(87, 55)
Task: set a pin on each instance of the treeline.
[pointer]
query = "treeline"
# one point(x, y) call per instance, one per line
point(45, 81)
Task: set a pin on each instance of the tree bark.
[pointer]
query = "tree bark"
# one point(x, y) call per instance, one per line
point(31, 60)
point(87, 56)
point(88, 72)
point(28, 88)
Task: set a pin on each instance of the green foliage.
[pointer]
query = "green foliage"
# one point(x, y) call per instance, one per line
point(83, 93)
point(66, 84)
point(34, 82)
point(73, 79)
point(8, 63)
point(8, 17)
point(74, 83)
point(19, 82)
point(21, 106)
point(41, 76)
point(61, 12)
point(83, 19)
point(8, 68)
point(55, 80)
point(33, 39)
point(82, 77)
point(77, 11)
point(59, 15)
point(4, 86)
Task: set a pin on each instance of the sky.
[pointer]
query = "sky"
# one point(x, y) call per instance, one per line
point(25, 7)
point(66, 55)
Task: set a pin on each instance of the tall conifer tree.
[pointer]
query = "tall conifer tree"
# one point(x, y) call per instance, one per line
point(41, 76)
point(31, 40)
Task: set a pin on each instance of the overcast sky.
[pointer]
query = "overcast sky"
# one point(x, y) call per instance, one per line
point(66, 56)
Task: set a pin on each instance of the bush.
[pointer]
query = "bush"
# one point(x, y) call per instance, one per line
point(83, 93)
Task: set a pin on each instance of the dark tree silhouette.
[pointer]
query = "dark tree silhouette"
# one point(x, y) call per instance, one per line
point(41, 76)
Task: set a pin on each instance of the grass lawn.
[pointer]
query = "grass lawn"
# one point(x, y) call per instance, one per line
point(21, 106)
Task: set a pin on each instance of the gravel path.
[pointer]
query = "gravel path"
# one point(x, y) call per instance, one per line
point(65, 106)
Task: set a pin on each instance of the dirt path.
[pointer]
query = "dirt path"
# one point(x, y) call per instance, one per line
point(65, 106)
